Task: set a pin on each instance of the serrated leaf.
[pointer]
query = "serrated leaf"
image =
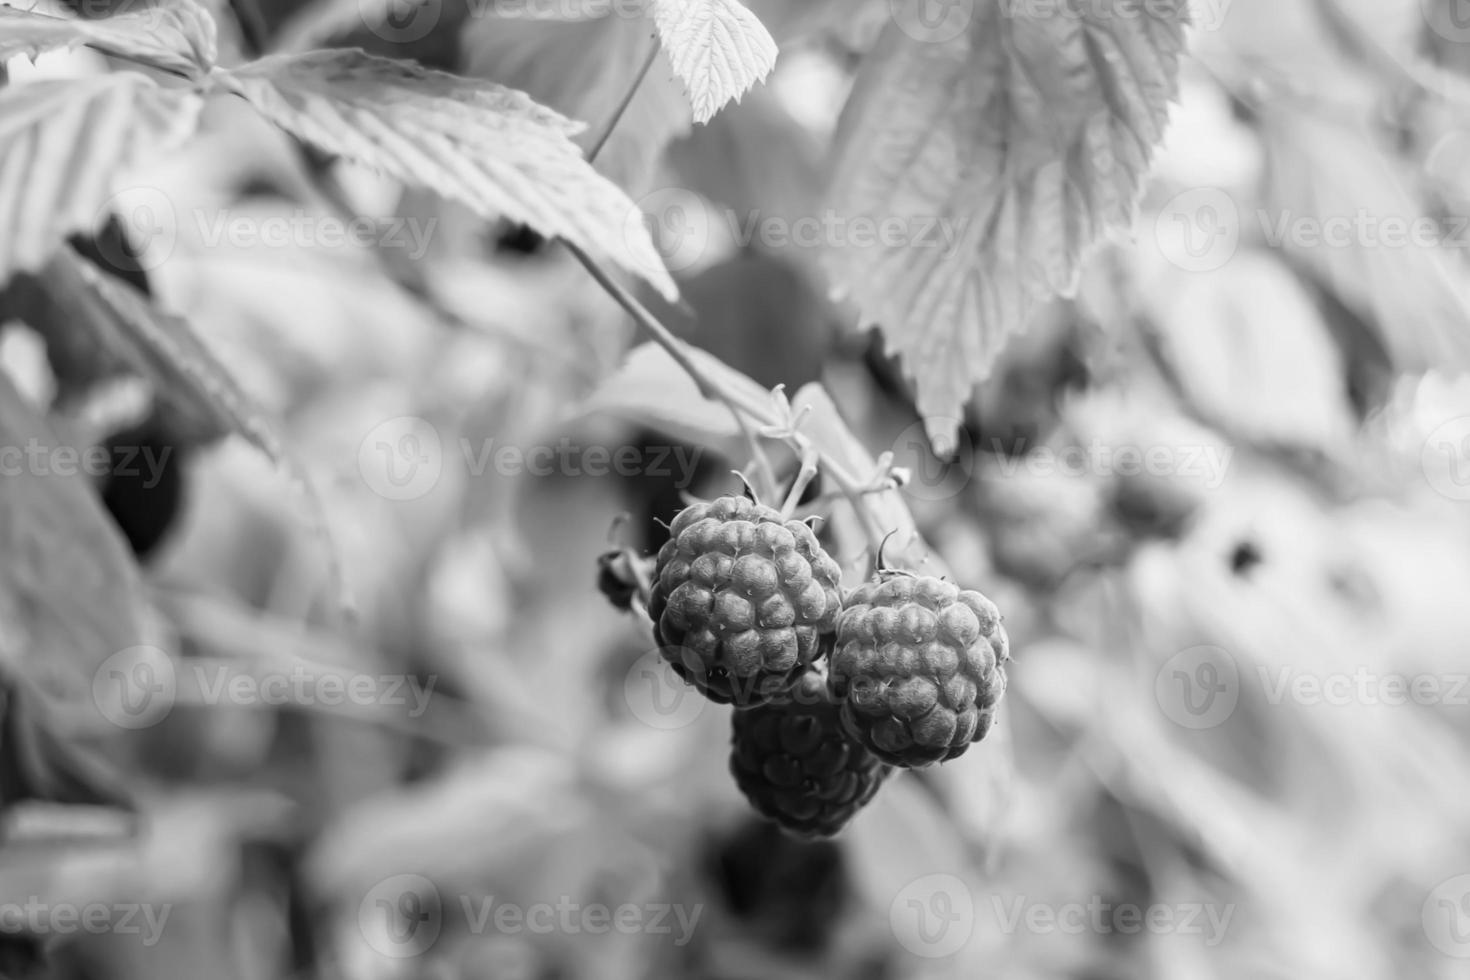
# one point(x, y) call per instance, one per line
point(62, 142)
point(491, 147)
point(1005, 154)
point(718, 47)
point(175, 36)
point(583, 70)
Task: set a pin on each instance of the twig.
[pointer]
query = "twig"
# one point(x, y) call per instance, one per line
point(627, 100)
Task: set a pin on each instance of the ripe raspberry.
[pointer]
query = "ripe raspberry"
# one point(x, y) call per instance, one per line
point(741, 599)
point(918, 668)
point(794, 764)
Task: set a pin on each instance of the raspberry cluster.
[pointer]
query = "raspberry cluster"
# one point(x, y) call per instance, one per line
point(831, 693)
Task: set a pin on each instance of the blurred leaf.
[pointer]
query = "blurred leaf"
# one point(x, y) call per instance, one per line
point(583, 70)
point(1253, 356)
point(490, 147)
point(718, 47)
point(652, 390)
point(165, 349)
point(1417, 295)
point(62, 142)
point(175, 36)
point(1007, 152)
point(69, 590)
point(755, 159)
point(39, 762)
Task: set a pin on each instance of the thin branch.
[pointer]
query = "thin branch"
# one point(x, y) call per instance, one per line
point(627, 100)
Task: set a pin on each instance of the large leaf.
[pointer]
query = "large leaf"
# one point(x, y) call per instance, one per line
point(583, 70)
point(1253, 355)
point(1004, 155)
point(176, 36)
point(718, 47)
point(486, 145)
point(62, 142)
point(1415, 291)
point(69, 591)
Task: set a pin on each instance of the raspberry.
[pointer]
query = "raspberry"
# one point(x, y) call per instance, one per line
point(918, 668)
point(741, 599)
point(794, 764)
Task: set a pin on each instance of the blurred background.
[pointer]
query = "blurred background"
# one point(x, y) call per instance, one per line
point(1220, 496)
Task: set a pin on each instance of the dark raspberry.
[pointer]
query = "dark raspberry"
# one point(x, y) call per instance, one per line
point(741, 599)
point(795, 765)
point(918, 669)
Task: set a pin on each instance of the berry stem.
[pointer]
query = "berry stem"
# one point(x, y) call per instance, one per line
point(709, 387)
